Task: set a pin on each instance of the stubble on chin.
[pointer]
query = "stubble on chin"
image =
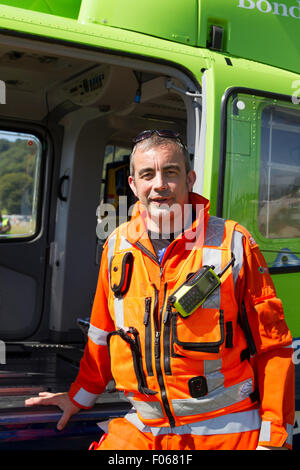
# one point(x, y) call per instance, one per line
point(165, 219)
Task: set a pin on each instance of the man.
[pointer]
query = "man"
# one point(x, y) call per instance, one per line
point(4, 224)
point(218, 377)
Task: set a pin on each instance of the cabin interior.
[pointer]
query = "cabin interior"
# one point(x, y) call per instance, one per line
point(77, 111)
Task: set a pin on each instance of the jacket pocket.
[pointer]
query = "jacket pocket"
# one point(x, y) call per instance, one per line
point(199, 336)
point(126, 361)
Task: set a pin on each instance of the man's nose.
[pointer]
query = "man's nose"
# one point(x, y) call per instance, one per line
point(160, 181)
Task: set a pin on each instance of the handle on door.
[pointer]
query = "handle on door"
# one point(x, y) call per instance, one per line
point(61, 195)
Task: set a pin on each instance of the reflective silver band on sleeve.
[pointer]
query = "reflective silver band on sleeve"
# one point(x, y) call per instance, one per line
point(85, 398)
point(289, 430)
point(265, 434)
point(237, 249)
point(265, 431)
point(97, 335)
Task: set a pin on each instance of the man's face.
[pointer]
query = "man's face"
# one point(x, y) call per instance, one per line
point(160, 180)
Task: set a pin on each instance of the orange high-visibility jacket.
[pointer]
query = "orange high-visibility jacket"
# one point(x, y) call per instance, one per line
point(232, 354)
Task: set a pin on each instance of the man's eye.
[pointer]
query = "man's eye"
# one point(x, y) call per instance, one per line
point(147, 176)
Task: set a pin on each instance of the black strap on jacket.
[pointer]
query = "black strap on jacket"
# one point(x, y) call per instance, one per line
point(126, 272)
point(244, 324)
point(132, 338)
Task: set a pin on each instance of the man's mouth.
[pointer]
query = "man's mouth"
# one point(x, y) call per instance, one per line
point(161, 200)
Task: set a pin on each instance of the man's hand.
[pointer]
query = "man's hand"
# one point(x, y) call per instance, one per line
point(62, 400)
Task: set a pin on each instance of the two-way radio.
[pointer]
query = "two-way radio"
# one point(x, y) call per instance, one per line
point(199, 286)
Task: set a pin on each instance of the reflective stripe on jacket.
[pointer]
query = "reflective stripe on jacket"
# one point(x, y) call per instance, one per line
point(178, 371)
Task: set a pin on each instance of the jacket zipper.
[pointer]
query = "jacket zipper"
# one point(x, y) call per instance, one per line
point(157, 355)
point(147, 252)
point(148, 336)
point(167, 337)
point(157, 351)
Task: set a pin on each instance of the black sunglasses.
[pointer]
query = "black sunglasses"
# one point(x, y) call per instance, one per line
point(166, 133)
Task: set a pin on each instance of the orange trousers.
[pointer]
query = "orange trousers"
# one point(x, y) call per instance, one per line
point(123, 435)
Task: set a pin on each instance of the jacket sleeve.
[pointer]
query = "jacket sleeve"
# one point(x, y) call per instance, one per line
point(272, 358)
point(94, 372)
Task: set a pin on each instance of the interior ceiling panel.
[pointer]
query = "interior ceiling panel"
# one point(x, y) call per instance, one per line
point(34, 75)
point(33, 72)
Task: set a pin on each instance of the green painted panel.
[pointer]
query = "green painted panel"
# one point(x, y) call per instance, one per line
point(64, 8)
point(241, 138)
point(169, 19)
point(240, 197)
point(260, 30)
point(287, 288)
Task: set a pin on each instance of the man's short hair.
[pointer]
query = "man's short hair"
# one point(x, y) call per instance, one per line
point(157, 141)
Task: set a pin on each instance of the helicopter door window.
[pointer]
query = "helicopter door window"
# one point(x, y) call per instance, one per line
point(279, 187)
point(20, 163)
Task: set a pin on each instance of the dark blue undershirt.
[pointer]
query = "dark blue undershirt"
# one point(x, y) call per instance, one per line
point(160, 244)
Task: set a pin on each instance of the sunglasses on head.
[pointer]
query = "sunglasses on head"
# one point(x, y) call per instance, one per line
point(166, 133)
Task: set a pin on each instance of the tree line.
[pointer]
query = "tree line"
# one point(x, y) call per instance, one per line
point(17, 169)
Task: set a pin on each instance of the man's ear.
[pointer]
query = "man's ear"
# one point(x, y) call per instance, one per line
point(131, 183)
point(191, 178)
